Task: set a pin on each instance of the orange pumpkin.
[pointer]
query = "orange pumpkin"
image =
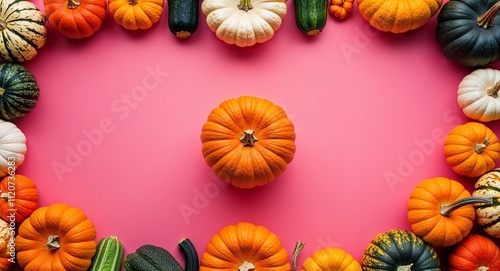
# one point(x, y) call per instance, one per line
point(248, 141)
point(245, 247)
point(136, 14)
point(7, 248)
point(441, 211)
point(75, 19)
point(340, 8)
point(57, 238)
point(19, 196)
point(474, 253)
point(331, 259)
point(471, 149)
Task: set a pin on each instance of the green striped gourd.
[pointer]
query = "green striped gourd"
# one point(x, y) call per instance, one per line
point(23, 30)
point(19, 91)
point(108, 255)
point(488, 216)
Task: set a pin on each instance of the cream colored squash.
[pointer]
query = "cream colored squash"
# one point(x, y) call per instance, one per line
point(478, 95)
point(12, 147)
point(244, 22)
point(488, 216)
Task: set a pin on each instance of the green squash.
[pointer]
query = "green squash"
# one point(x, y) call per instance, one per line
point(151, 258)
point(19, 91)
point(468, 31)
point(399, 250)
point(488, 216)
point(311, 15)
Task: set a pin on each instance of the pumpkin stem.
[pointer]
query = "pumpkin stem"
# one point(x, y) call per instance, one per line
point(447, 209)
point(248, 138)
point(298, 247)
point(246, 266)
point(3, 25)
point(479, 148)
point(493, 91)
point(52, 242)
point(483, 268)
point(405, 267)
point(4, 195)
point(2, 90)
point(488, 19)
point(245, 5)
point(133, 2)
point(72, 4)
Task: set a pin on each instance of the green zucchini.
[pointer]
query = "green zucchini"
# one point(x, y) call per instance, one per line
point(108, 256)
point(190, 255)
point(183, 17)
point(151, 258)
point(311, 15)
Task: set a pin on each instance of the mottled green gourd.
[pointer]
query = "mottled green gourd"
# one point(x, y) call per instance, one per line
point(108, 256)
point(311, 15)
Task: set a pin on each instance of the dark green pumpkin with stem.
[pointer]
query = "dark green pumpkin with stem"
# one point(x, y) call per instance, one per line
point(469, 31)
point(19, 91)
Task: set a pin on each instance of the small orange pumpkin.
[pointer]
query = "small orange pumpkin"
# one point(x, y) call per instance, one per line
point(136, 14)
point(331, 259)
point(474, 253)
point(441, 211)
point(7, 248)
point(245, 247)
point(19, 197)
point(248, 141)
point(340, 8)
point(471, 149)
point(56, 237)
point(75, 19)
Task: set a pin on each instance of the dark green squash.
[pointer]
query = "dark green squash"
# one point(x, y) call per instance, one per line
point(19, 91)
point(190, 255)
point(151, 258)
point(183, 17)
point(311, 15)
point(469, 31)
point(399, 250)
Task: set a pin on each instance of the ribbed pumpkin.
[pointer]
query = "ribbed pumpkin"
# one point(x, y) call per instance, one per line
point(245, 247)
point(474, 253)
point(58, 237)
point(399, 250)
point(7, 248)
point(18, 198)
point(398, 16)
point(19, 91)
point(248, 141)
point(340, 8)
point(136, 14)
point(75, 19)
point(12, 148)
point(488, 217)
point(471, 149)
point(331, 259)
point(22, 26)
point(467, 31)
point(441, 211)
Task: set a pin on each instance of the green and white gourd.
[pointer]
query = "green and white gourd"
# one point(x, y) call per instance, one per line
point(23, 30)
point(108, 255)
point(488, 217)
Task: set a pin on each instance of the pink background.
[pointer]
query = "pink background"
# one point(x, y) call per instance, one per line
point(365, 105)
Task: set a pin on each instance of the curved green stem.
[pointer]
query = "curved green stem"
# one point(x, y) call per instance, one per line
point(447, 209)
point(245, 5)
point(488, 19)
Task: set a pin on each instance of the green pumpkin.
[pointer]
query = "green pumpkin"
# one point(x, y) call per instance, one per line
point(399, 250)
point(469, 31)
point(19, 91)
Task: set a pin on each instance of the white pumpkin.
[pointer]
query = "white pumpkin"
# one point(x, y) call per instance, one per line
point(478, 95)
point(244, 22)
point(12, 147)
point(23, 30)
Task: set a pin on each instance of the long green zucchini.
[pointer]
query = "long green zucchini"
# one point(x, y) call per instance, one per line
point(311, 15)
point(108, 256)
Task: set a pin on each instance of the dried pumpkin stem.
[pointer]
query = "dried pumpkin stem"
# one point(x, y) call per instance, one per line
point(447, 209)
point(3, 25)
point(248, 138)
point(298, 248)
point(245, 5)
point(493, 91)
point(488, 19)
point(483, 268)
point(72, 4)
point(4, 195)
point(480, 147)
point(405, 267)
point(53, 242)
point(246, 266)
point(2, 90)
point(133, 2)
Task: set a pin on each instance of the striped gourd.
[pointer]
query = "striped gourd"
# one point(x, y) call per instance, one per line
point(19, 91)
point(23, 30)
point(489, 216)
point(108, 255)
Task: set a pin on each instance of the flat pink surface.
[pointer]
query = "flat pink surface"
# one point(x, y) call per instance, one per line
point(366, 105)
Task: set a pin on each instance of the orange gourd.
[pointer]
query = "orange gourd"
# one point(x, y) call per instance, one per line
point(136, 14)
point(7, 248)
point(331, 259)
point(248, 141)
point(18, 197)
point(340, 8)
point(75, 19)
point(441, 211)
point(57, 238)
point(245, 247)
point(471, 149)
point(474, 253)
